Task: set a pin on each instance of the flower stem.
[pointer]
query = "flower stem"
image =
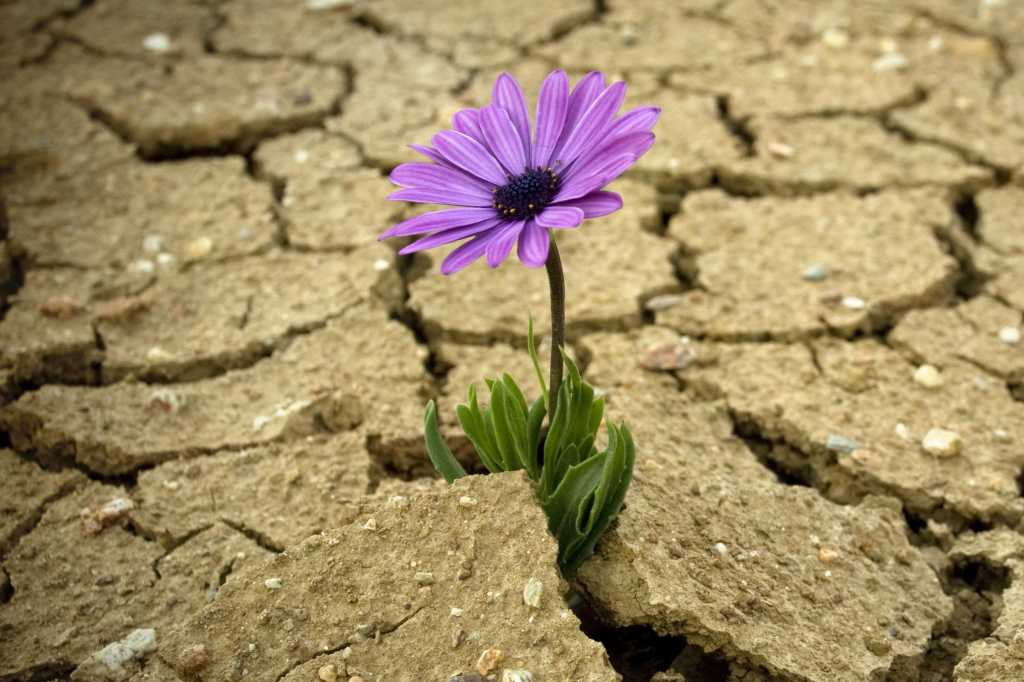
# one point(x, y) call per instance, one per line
point(556, 280)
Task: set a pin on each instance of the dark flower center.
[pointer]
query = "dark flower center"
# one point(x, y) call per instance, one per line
point(526, 195)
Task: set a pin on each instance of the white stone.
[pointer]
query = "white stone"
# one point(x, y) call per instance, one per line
point(153, 243)
point(1010, 335)
point(781, 150)
point(853, 303)
point(273, 583)
point(157, 42)
point(109, 662)
point(928, 376)
point(942, 443)
point(322, 5)
point(301, 156)
point(144, 265)
point(532, 592)
point(166, 260)
point(467, 501)
point(836, 37)
point(815, 272)
point(456, 612)
point(381, 264)
point(890, 62)
point(720, 549)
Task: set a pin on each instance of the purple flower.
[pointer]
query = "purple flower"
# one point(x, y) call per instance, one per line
point(509, 187)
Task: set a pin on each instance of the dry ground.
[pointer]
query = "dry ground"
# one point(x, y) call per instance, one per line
point(212, 375)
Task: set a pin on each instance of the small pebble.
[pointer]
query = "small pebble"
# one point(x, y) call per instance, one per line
point(890, 62)
point(1001, 435)
point(168, 400)
point(322, 5)
point(663, 302)
point(516, 676)
point(371, 524)
point(328, 673)
point(194, 658)
point(456, 612)
point(355, 678)
point(60, 307)
point(827, 556)
point(780, 150)
point(424, 578)
point(532, 593)
point(153, 243)
point(720, 548)
point(668, 356)
point(381, 264)
point(467, 501)
point(928, 376)
point(1010, 335)
point(301, 156)
point(489, 660)
point(144, 265)
point(836, 38)
point(942, 443)
point(158, 354)
point(199, 248)
point(165, 260)
point(157, 42)
point(815, 273)
point(852, 302)
point(273, 583)
point(114, 510)
point(902, 431)
point(837, 443)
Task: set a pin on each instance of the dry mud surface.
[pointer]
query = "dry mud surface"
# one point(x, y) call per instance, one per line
point(212, 375)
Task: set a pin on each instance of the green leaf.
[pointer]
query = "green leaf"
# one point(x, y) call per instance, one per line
point(563, 508)
point(496, 419)
point(440, 456)
point(534, 423)
point(474, 427)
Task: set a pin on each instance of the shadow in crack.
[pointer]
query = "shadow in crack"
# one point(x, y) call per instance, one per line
point(976, 588)
point(640, 654)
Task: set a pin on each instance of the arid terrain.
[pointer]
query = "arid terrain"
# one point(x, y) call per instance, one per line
point(212, 374)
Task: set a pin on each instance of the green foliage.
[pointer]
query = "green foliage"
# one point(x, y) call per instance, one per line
point(440, 456)
point(580, 488)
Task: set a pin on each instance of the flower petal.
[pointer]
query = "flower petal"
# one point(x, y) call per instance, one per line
point(448, 236)
point(596, 204)
point(432, 176)
point(641, 119)
point(600, 176)
point(509, 96)
point(552, 105)
point(583, 95)
point(534, 243)
point(438, 220)
point(501, 245)
point(469, 155)
point(431, 154)
point(501, 136)
point(560, 217)
point(440, 195)
point(467, 253)
point(467, 122)
point(632, 143)
point(593, 122)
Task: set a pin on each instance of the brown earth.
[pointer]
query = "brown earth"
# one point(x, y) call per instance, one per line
point(212, 375)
